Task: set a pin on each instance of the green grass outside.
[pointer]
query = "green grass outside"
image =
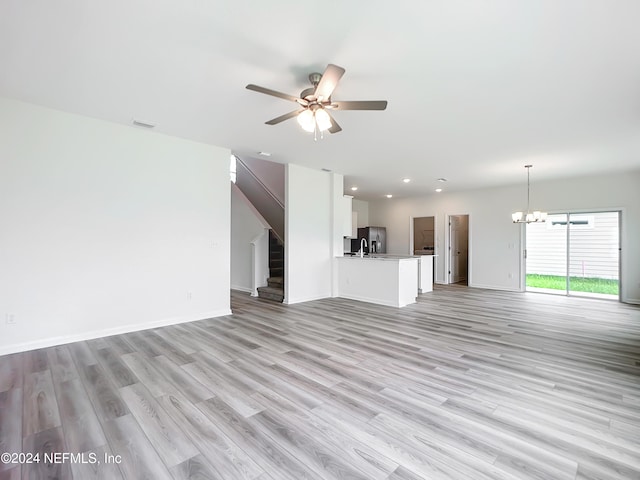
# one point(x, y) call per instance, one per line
point(576, 284)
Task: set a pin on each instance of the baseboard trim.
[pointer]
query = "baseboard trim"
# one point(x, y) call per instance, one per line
point(375, 301)
point(307, 299)
point(108, 332)
point(241, 289)
point(494, 287)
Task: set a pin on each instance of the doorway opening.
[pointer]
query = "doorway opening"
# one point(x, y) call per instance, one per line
point(459, 249)
point(424, 235)
point(574, 254)
point(424, 239)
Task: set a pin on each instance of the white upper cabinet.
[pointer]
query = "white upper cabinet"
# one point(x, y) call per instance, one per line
point(347, 216)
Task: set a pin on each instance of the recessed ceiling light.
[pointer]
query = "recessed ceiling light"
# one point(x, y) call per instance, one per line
point(264, 154)
point(406, 180)
point(442, 179)
point(354, 188)
point(389, 195)
point(438, 190)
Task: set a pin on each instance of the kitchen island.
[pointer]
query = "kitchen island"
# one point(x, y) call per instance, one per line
point(383, 279)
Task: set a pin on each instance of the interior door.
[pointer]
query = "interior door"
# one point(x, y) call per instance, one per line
point(458, 248)
point(454, 250)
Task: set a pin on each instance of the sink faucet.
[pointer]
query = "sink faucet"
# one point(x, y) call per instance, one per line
point(363, 240)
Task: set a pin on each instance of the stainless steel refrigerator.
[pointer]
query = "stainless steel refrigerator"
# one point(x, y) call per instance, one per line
point(376, 238)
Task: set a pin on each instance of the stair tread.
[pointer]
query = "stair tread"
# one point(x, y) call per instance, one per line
point(268, 289)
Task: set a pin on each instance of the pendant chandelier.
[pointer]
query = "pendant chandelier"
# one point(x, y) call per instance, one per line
point(529, 216)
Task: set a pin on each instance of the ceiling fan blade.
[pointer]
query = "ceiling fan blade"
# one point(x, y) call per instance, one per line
point(335, 128)
point(328, 82)
point(274, 93)
point(284, 117)
point(360, 105)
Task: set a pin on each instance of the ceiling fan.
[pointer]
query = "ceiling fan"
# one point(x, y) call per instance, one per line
point(315, 102)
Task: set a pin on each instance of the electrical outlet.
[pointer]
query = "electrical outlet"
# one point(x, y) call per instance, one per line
point(189, 295)
point(11, 319)
point(511, 275)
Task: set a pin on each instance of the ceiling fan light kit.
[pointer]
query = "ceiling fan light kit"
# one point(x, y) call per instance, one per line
point(316, 101)
point(307, 121)
point(529, 216)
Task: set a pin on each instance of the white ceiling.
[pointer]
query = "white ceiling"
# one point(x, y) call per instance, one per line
point(476, 89)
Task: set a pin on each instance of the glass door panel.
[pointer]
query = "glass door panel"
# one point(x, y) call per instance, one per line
point(594, 258)
point(546, 255)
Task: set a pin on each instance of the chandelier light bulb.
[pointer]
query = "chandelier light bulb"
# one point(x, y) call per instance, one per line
point(323, 120)
point(306, 121)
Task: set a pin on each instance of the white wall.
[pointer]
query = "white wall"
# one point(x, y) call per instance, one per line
point(495, 242)
point(309, 242)
point(106, 228)
point(271, 174)
point(246, 225)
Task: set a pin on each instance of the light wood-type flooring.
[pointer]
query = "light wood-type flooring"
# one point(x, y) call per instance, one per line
point(465, 384)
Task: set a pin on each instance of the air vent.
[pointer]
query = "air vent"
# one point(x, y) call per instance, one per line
point(140, 123)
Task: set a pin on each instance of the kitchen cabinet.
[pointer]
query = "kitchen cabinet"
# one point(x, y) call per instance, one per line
point(346, 212)
point(385, 280)
point(354, 224)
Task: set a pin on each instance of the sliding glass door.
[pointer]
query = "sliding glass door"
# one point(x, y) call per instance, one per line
point(575, 254)
point(546, 255)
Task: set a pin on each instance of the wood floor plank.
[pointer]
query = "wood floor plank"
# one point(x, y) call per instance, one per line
point(293, 438)
point(103, 395)
point(229, 460)
point(167, 349)
point(196, 468)
point(40, 411)
point(41, 443)
point(10, 424)
point(82, 354)
point(120, 374)
point(82, 429)
point(35, 361)
point(144, 368)
point(140, 461)
point(102, 470)
point(11, 372)
point(341, 445)
point(163, 433)
point(14, 473)
point(61, 364)
point(239, 401)
point(265, 452)
point(178, 338)
point(186, 384)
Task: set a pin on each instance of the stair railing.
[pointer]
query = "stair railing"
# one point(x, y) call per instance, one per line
point(269, 206)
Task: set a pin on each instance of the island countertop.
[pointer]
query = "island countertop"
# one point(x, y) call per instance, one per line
point(383, 256)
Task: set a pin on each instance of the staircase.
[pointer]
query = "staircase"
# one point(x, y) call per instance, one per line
point(275, 283)
point(269, 205)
